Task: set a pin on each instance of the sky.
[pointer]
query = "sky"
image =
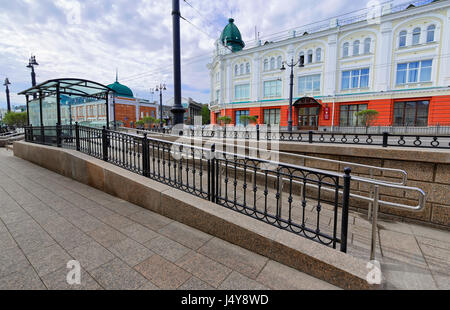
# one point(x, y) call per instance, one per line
point(90, 39)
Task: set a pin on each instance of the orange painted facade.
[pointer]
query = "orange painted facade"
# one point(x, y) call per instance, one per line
point(126, 113)
point(438, 113)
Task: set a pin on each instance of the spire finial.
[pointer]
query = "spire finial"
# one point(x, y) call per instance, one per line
point(117, 75)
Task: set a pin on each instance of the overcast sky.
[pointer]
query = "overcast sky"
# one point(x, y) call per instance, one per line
point(89, 39)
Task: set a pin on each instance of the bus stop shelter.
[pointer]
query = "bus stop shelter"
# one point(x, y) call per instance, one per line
point(59, 103)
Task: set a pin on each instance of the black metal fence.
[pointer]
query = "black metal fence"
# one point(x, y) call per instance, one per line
point(308, 202)
point(384, 139)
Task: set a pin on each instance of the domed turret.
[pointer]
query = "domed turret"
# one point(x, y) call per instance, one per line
point(231, 36)
point(120, 89)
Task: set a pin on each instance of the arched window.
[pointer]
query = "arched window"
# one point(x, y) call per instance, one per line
point(266, 64)
point(318, 54)
point(247, 68)
point(272, 63)
point(345, 49)
point(402, 38)
point(430, 33)
point(279, 61)
point(302, 58)
point(367, 42)
point(416, 36)
point(242, 69)
point(356, 47)
point(236, 70)
point(310, 56)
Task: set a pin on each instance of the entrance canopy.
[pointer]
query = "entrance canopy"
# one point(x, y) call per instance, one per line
point(65, 101)
point(306, 101)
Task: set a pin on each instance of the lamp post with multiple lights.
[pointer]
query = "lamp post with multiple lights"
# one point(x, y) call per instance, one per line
point(31, 63)
point(160, 88)
point(300, 64)
point(7, 94)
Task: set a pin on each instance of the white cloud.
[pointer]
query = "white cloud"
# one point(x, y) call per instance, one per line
point(135, 37)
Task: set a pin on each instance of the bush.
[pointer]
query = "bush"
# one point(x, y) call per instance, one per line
point(367, 117)
point(15, 119)
point(224, 120)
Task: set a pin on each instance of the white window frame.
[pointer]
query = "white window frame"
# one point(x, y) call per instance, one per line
point(278, 92)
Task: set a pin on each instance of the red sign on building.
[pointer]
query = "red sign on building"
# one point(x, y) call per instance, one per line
point(326, 113)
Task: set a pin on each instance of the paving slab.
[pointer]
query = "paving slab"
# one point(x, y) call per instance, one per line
point(163, 273)
point(57, 280)
point(91, 255)
point(116, 275)
point(204, 268)
point(49, 259)
point(167, 248)
point(280, 277)
point(130, 251)
point(237, 281)
point(244, 261)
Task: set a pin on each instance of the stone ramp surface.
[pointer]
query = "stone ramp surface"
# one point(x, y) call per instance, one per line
point(47, 219)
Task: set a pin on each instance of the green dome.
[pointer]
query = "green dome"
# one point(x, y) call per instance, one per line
point(121, 90)
point(231, 36)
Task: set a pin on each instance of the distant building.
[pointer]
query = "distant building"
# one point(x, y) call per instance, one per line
point(192, 107)
point(122, 103)
point(396, 63)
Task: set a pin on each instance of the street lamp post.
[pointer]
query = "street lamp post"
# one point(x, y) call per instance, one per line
point(160, 88)
point(31, 63)
point(7, 94)
point(300, 64)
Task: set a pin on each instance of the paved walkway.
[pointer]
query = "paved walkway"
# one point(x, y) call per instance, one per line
point(47, 220)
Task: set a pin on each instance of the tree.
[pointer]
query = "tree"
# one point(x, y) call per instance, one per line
point(16, 119)
point(224, 120)
point(206, 115)
point(252, 119)
point(367, 118)
point(149, 120)
point(139, 124)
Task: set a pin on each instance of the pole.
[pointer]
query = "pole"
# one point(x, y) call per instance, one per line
point(332, 116)
point(291, 86)
point(7, 99)
point(345, 205)
point(160, 109)
point(178, 111)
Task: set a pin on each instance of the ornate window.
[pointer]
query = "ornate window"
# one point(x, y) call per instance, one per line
point(236, 70)
point(356, 47)
point(272, 63)
point(318, 54)
point(310, 56)
point(266, 64)
point(402, 38)
point(416, 36)
point(302, 58)
point(247, 68)
point(430, 33)
point(345, 49)
point(242, 69)
point(279, 61)
point(367, 42)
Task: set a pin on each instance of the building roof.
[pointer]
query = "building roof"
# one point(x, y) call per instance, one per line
point(69, 86)
point(121, 90)
point(231, 36)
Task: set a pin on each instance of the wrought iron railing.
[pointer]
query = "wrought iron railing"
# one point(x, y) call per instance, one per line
point(289, 197)
point(309, 202)
point(384, 139)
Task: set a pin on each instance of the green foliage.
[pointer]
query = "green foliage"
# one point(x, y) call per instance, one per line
point(224, 120)
point(367, 117)
point(206, 115)
point(252, 119)
point(149, 120)
point(16, 119)
point(140, 123)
